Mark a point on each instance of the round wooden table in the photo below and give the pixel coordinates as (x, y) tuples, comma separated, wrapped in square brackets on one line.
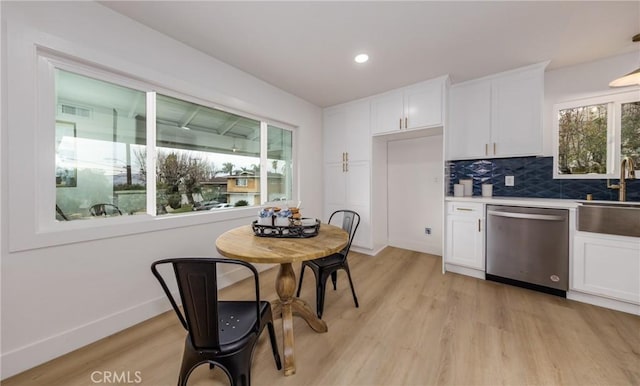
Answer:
[(242, 244)]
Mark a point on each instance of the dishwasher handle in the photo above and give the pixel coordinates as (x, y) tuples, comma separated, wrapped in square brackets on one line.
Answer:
[(529, 216)]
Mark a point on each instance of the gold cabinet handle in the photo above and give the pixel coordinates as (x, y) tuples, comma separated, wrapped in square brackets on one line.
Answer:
[(494, 148), (464, 209), (400, 124), (406, 125), (346, 166), (486, 149), (346, 157), (479, 222)]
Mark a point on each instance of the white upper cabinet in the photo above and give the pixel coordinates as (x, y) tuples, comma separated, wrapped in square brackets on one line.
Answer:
[(346, 132), (497, 116), (470, 120), (414, 107)]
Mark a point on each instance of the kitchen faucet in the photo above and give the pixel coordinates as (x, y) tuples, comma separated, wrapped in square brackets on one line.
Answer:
[(626, 165)]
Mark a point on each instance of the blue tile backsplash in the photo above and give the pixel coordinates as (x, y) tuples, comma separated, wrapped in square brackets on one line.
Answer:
[(533, 178)]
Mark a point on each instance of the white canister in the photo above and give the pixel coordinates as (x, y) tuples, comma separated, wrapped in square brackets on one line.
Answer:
[(458, 190), (468, 187), (487, 190)]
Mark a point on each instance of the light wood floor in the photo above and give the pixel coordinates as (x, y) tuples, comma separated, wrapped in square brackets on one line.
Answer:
[(414, 326)]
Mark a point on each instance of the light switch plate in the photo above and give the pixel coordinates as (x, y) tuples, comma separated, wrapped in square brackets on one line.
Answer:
[(509, 180)]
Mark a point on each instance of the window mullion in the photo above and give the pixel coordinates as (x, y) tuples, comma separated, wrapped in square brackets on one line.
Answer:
[(151, 153), (264, 183)]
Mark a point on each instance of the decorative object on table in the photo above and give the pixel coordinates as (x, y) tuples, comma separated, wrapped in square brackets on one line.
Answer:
[(468, 187), (306, 227), (458, 190), (266, 216), (328, 266), (282, 218), (487, 190), (222, 333)]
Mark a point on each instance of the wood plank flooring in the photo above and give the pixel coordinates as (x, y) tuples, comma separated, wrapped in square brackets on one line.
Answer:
[(414, 326)]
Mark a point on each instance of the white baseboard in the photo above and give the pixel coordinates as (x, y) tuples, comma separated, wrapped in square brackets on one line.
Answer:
[(366, 251), (36, 353), (416, 246), (604, 302), (465, 271), (39, 352)]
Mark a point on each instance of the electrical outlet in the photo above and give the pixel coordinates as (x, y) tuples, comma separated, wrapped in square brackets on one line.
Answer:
[(509, 181), (427, 231)]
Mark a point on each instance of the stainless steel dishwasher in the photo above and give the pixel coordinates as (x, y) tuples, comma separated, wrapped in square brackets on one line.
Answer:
[(528, 247)]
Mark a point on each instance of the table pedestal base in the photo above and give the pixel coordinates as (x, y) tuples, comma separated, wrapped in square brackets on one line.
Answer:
[(286, 306)]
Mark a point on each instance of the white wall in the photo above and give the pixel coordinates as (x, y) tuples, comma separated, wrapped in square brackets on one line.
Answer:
[(415, 193), (581, 81), (58, 298)]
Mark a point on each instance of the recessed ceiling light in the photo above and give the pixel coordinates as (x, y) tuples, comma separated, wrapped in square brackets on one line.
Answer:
[(361, 58)]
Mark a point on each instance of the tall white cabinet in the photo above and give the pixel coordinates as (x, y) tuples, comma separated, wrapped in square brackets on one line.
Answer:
[(347, 165), (497, 116)]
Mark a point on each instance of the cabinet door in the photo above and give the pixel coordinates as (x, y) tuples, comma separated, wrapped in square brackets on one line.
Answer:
[(607, 267), (516, 122), (469, 126), (358, 183), (423, 105), (334, 184), (349, 188), (356, 132), (387, 113), (335, 122), (465, 241)]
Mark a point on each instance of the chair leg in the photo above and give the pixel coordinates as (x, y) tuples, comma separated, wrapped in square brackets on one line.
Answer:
[(190, 359), (274, 345), (300, 281), (238, 367), (321, 281), (353, 291), (334, 279)]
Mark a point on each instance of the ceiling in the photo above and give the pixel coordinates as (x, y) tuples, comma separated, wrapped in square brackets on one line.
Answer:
[(307, 48)]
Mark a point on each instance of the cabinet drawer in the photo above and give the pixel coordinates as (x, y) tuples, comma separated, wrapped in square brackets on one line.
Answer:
[(466, 208)]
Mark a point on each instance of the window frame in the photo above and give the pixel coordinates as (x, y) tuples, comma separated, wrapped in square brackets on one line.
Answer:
[(614, 102), (47, 230)]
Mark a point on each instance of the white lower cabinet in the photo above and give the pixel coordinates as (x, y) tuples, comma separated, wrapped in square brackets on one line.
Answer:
[(607, 266), (464, 246)]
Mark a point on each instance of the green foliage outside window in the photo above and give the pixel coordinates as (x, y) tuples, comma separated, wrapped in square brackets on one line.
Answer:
[(583, 140)]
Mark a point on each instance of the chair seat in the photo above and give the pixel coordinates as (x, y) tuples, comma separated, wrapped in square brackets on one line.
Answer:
[(236, 319), (331, 260)]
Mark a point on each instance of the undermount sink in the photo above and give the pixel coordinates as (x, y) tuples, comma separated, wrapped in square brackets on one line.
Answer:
[(614, 218)]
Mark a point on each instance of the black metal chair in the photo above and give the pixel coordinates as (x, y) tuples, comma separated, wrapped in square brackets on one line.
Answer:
[(328, 266), (105, 210), (222, 333)]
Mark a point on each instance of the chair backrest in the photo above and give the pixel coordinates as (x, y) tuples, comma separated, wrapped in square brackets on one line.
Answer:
[(197, 280), (350, 222), (105, 210)]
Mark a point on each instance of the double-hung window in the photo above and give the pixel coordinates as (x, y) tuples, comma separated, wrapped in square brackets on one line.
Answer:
[(124, 149)]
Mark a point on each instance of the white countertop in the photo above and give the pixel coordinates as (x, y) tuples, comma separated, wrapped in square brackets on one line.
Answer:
[(521, 201)]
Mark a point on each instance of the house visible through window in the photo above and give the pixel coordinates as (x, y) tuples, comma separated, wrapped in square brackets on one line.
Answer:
[(205, 158)]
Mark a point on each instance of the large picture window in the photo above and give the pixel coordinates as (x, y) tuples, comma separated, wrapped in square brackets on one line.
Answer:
[(204, 158)]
